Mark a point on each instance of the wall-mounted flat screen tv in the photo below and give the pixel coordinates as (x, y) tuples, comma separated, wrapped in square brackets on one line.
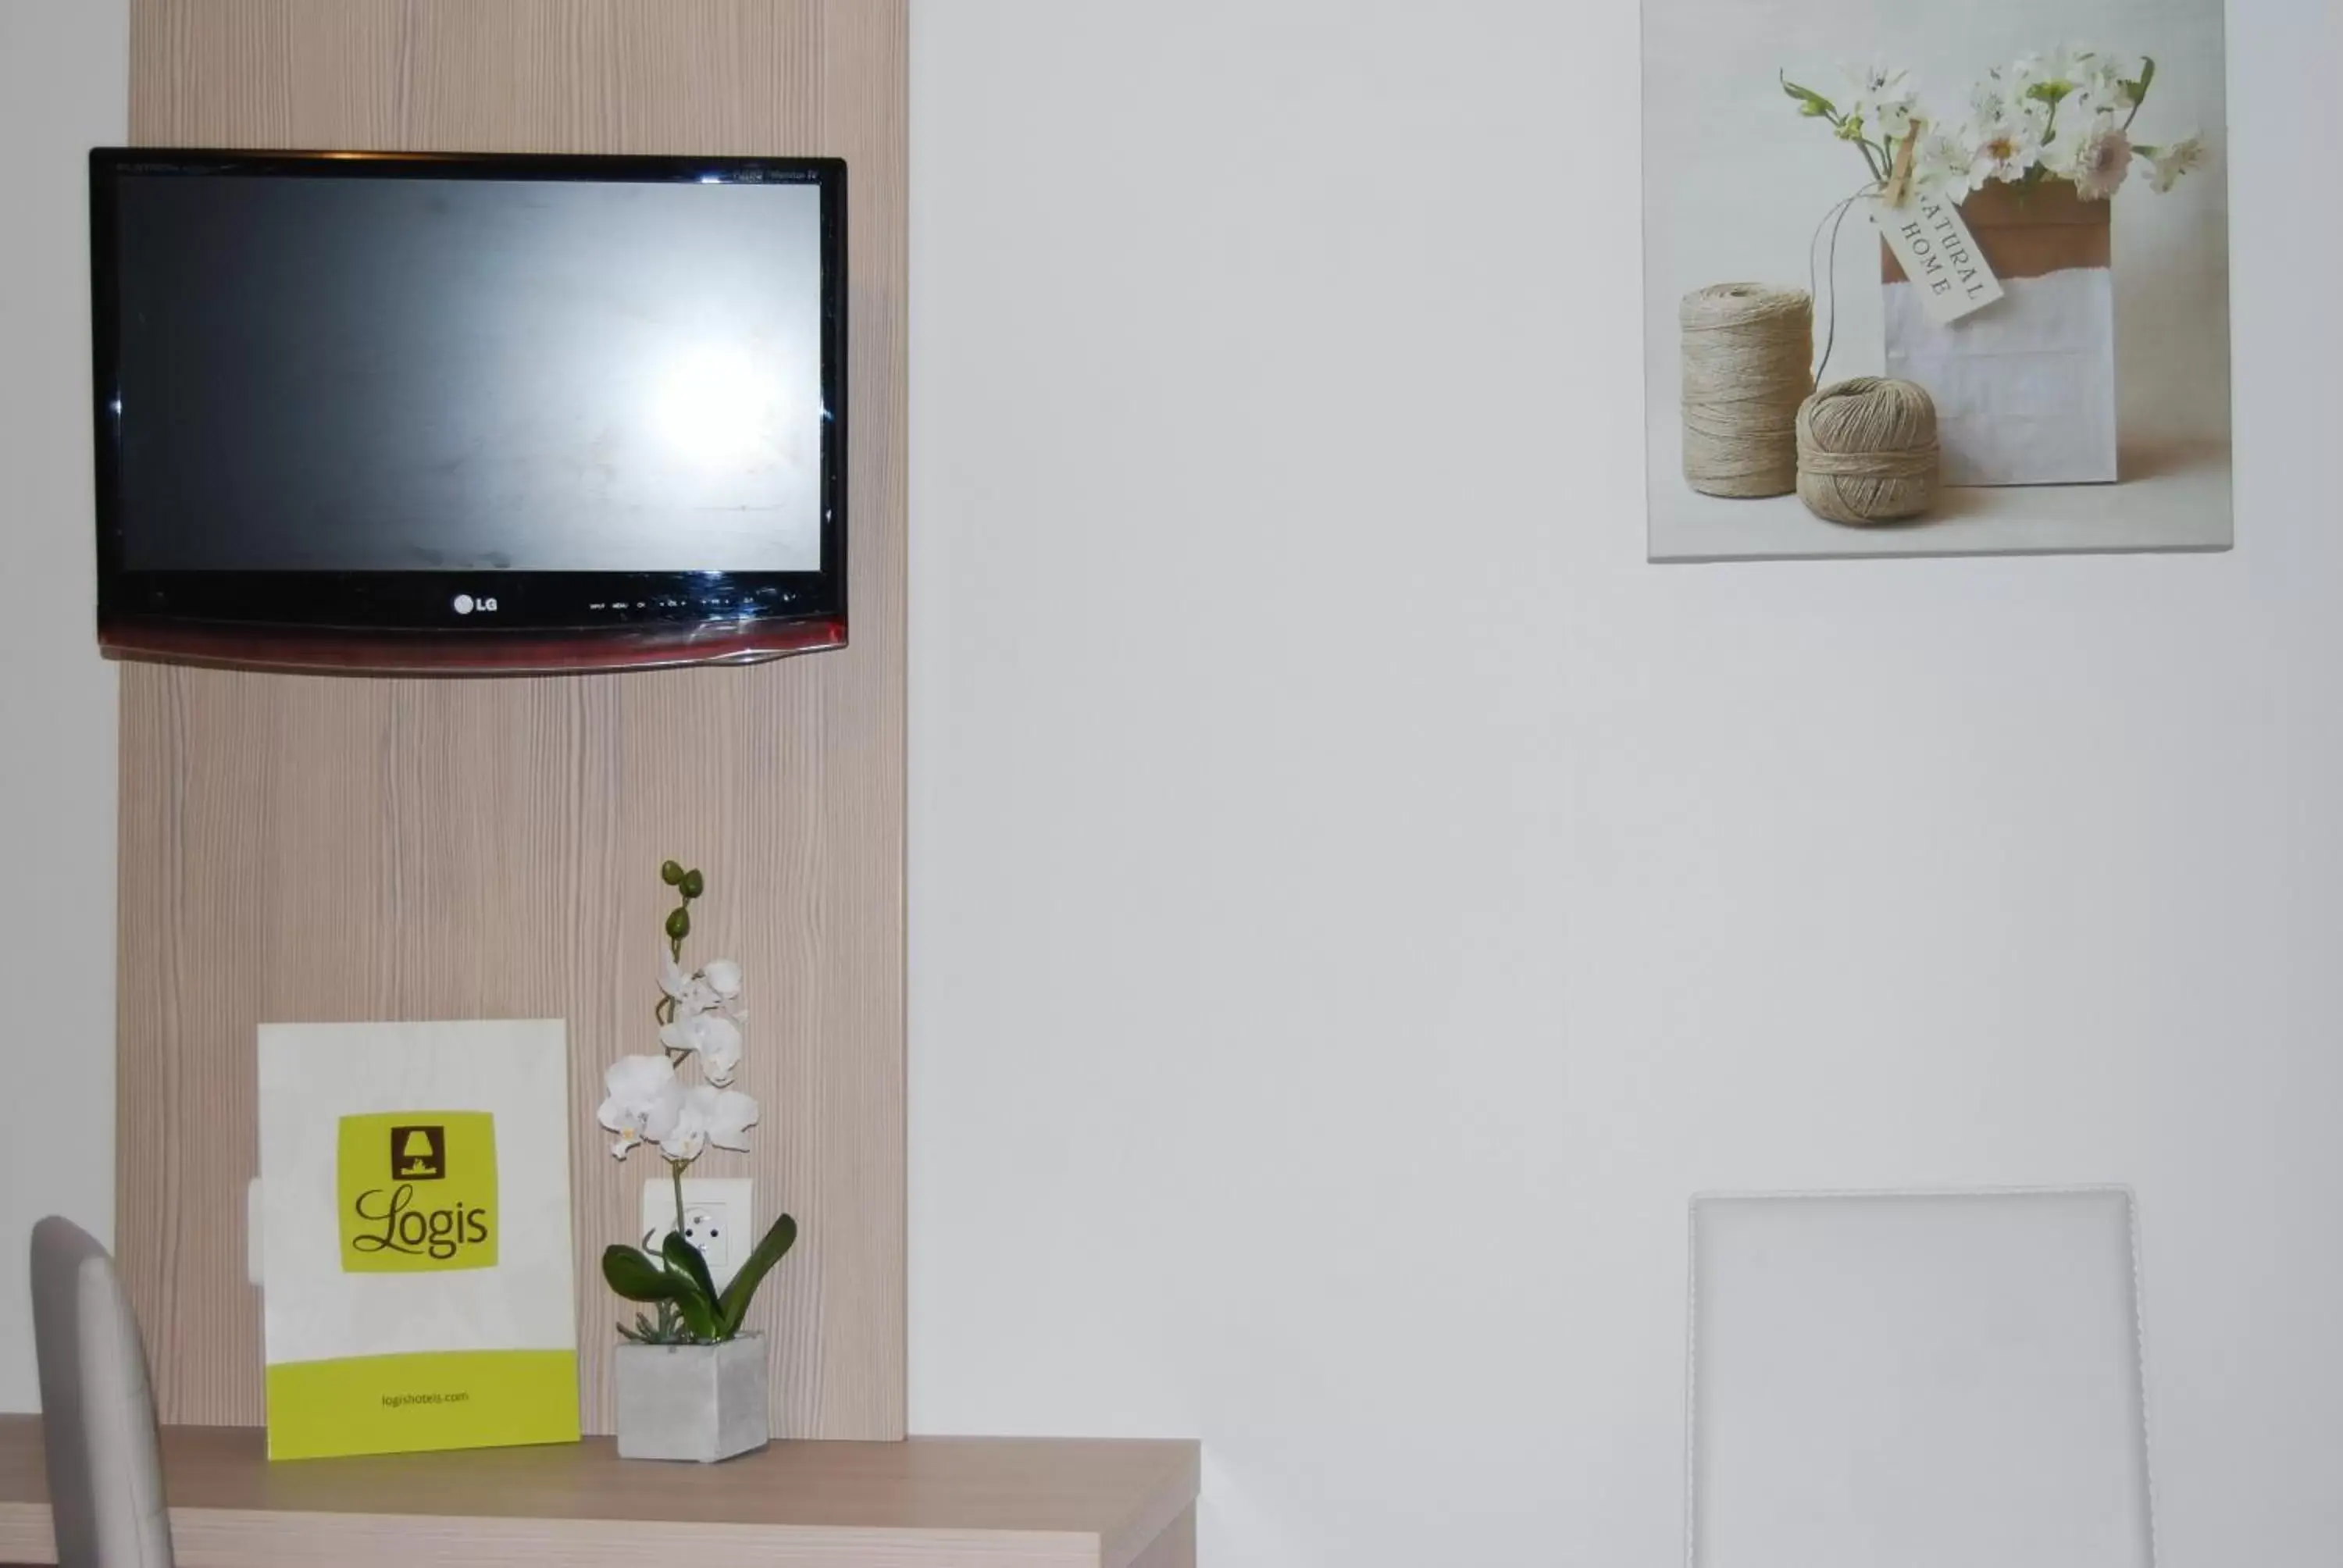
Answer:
[(469, 413)]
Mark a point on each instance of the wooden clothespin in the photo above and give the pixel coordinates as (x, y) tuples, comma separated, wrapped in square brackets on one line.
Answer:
[(1899, 179)]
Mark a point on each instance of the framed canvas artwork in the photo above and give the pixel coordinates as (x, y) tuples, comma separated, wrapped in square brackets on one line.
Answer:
[(1935, 279)]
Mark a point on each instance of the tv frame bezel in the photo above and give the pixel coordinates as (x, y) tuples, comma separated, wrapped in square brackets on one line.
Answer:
[(404, 622)]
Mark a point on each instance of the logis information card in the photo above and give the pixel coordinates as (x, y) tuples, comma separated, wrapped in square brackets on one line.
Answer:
[(415, 1236)]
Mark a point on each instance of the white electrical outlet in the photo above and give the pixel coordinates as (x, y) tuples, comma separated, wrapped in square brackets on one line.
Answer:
[(717, 1219)]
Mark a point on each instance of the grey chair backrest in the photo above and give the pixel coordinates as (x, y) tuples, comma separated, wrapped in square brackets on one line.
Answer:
[(97, 1410)]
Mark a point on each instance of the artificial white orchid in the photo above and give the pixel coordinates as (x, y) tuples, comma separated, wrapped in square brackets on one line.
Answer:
[(643, 1098), (715, 985), (682, 987), (699, 1015), (711, 1036), (699, 1010), (722, 976), (707, 1115), (702, 1012), (715, 982)]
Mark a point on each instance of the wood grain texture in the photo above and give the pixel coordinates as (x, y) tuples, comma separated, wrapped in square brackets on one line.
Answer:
[(1006, 1503), (314, 849)]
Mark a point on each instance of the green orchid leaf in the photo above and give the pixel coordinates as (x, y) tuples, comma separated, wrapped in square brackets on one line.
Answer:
[(631, 1273), (734, 1307), (698, 1315), (684, 1258)]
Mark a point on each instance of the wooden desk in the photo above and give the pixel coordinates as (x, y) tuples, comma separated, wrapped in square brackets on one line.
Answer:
[(929, 1503)]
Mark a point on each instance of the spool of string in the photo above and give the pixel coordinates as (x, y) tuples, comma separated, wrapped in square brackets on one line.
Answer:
[(1867, 451), (1746, 348)]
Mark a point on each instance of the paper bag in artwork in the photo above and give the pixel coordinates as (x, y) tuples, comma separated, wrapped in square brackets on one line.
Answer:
[(2025, 388)]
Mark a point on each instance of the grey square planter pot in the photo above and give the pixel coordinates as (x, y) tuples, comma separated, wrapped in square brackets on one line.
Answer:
[(703, 1402)]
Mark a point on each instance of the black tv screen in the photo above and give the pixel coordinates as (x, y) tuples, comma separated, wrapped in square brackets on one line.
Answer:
[(466, 405)]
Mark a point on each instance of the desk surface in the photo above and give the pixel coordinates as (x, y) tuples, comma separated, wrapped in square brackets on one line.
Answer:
[(1002, 1502)]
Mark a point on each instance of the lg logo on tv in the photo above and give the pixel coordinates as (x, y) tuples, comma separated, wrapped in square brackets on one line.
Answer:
[(465, 604)]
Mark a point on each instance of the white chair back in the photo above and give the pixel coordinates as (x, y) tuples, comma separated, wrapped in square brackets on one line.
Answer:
[(1931, 1379), (97, 1409)]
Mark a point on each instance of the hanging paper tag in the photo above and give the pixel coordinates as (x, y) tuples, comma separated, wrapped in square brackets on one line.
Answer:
[(1939, 254)]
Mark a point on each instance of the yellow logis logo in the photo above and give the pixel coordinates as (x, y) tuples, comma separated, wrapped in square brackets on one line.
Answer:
[(418, 1192)]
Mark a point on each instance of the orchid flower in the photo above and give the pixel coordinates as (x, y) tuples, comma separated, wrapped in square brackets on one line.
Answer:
[(712, 1036), (644, 1098), (707, 1115), (722, 976)]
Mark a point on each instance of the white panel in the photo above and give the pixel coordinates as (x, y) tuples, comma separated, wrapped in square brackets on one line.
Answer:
[(1928, 1380)]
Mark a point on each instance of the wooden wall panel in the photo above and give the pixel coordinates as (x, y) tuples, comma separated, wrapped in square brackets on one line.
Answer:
[(313, 848)]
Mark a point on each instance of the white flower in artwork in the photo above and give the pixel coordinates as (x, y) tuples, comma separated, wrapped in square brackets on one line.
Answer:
[(712, 1036), (2099, 95), (2102, 162), (1892, 120), (1944, 165), (2052, 77), (2005, 150), (2066, 114), (1883, 100), (643, 1099), (706, 1115), (2166, 165), (1990, 100)]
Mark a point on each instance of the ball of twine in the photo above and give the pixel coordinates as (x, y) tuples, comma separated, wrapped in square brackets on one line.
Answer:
[(1746, 348), (1867, 451)]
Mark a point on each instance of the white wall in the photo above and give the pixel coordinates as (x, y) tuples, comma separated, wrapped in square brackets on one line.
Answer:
[(1355, 900), (64, 88)]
